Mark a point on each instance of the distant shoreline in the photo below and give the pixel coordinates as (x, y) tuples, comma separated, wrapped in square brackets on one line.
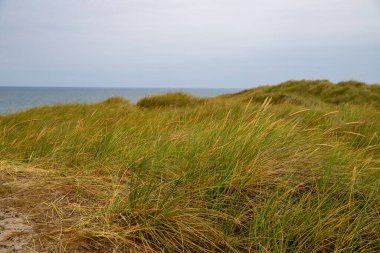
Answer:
[(13, 99)]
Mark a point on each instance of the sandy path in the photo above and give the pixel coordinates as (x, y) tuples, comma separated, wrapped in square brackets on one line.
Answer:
[(15, 233)]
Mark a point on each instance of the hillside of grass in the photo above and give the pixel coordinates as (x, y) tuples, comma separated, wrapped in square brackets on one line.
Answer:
[(287, 168), (314, 92)]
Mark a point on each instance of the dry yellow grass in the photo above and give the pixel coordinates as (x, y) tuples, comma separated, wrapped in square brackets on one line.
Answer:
[(223, 175)]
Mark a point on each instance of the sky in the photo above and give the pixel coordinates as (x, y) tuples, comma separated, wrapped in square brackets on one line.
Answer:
[(187, 43)]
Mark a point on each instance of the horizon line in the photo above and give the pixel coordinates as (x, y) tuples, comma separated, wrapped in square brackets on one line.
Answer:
[(118, 87)]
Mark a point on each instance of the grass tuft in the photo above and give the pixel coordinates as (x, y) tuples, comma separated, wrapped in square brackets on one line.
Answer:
[(175, 99), (116, 101)]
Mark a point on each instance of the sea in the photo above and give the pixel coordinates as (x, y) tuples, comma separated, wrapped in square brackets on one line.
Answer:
[(13, 99)]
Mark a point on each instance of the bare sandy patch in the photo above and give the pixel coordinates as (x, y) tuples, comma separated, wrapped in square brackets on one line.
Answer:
[(15, 232)]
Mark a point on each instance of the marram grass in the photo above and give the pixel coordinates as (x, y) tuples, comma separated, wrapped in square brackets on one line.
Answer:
[(228, 174), (172, 99)]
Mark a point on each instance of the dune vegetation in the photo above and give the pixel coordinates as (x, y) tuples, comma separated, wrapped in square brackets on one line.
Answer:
[(288, 168), (172, 99)]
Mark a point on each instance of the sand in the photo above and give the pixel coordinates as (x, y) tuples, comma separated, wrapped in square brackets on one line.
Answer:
[(15, 232)]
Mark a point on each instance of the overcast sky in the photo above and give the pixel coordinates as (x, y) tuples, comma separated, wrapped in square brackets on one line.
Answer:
[(187, 43)]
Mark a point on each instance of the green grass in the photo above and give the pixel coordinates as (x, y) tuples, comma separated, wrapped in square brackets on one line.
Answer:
[(236, 173), (313, 93), (174, 99)]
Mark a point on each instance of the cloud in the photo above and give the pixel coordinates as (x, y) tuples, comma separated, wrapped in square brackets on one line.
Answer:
[(186, 43)]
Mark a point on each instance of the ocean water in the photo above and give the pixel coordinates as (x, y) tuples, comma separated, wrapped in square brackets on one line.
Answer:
[(13, 99)]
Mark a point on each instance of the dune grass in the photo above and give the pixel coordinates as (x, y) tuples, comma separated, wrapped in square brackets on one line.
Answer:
[(171, 99), (230, 174), (313, 93)]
